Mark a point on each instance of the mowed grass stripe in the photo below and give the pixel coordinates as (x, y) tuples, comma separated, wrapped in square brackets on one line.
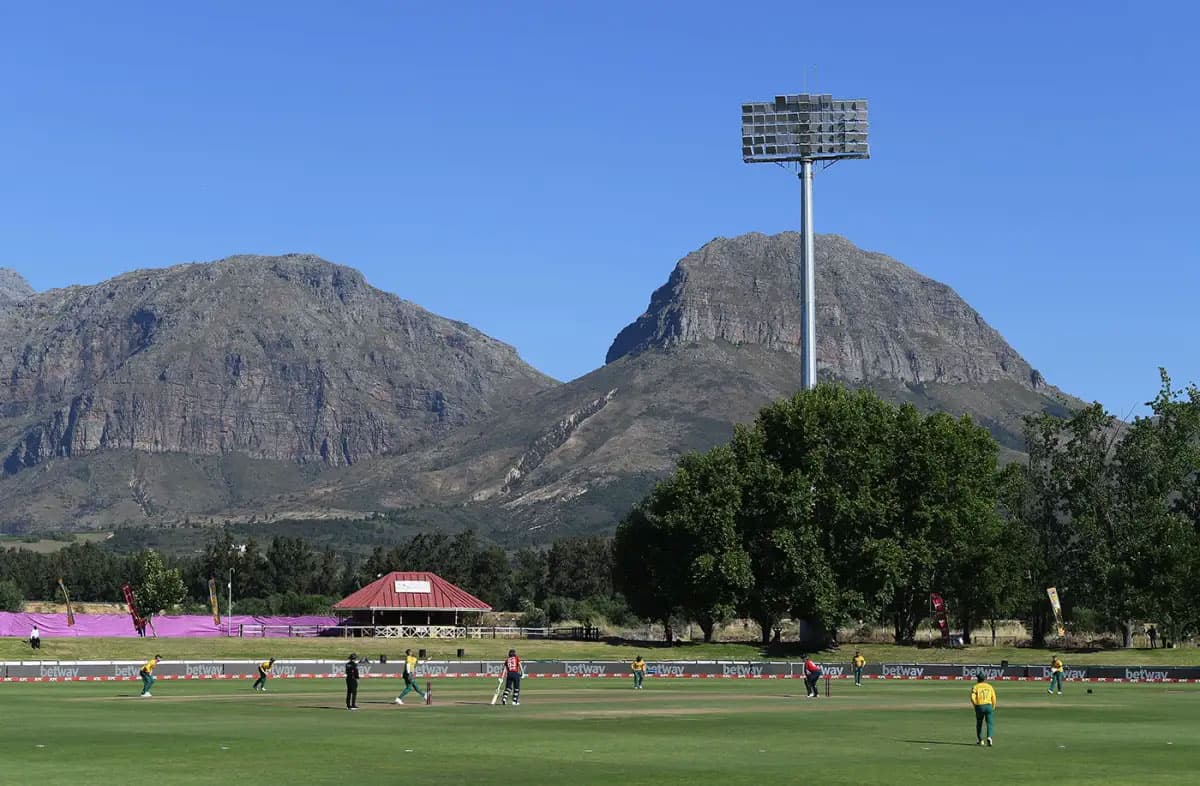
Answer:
[(595, 732)]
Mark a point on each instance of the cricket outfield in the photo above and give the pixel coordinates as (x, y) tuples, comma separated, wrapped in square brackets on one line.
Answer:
[(596, 731)]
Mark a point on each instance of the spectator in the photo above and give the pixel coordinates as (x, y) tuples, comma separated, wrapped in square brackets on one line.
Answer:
[(35, 638), (1153, 634)]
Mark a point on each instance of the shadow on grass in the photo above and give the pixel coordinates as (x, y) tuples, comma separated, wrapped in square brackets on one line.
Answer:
[(938, 742)]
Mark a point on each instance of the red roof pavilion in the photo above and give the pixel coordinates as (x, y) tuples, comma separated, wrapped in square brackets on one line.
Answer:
[(401, 591)]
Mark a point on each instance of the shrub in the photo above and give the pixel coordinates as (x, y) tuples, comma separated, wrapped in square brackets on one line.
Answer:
[(11, 598)]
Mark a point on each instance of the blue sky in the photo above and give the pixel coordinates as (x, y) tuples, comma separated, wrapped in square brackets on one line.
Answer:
[(536, 169)]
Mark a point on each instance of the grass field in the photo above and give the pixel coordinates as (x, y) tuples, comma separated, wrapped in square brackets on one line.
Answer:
[(584, 732), (51, 545), (492, 649)]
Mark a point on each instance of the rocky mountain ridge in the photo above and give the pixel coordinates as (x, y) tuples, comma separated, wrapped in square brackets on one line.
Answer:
[(256, 389), (289, 358)]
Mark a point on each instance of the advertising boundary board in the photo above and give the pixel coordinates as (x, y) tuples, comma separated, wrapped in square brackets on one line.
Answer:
[(106, 671)]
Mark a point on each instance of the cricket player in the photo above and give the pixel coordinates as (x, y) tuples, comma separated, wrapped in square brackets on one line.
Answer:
[(1056, 675), (983, 699), (410, 677), (812, 676), (512, 679), (352, 682), (639, 672), (264, 671), (859, 661), (147, 675)]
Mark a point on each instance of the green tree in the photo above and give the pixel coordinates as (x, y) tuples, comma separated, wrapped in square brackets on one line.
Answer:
[(1154, 546), (579, 568), (160, 587), (11, 597), (898, 498), (790, 569), (687, 552)]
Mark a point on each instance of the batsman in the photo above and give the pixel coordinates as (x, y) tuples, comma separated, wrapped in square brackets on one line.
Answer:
[(512, 678)]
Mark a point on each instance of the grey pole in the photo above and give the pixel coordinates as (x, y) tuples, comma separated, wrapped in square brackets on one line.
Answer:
[(808, 315)]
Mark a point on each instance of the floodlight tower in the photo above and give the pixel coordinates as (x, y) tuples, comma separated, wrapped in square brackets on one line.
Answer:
[(802, 129)]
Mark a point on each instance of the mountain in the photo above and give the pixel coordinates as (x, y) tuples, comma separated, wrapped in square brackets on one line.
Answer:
[(718, 341), (260, 389), (13, 288), (291, 360)]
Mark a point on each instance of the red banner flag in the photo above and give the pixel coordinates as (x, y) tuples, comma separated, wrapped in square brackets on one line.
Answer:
[(939, 615), (138, 622)]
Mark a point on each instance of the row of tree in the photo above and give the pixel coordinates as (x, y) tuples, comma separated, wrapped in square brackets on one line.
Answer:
[(833, 506), (836, 506), (290, 577)]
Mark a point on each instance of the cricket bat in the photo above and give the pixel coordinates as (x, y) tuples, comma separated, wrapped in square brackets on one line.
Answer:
[(499, 687)]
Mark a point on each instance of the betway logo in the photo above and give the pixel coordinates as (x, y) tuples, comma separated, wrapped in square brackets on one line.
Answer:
[(204, 670), (991, 674), (493, 669), (670, 670), (280, 670), (126, 671), (833, 671), (1145, 674), (904, 671), (339, 670), (741, 671), (1068, 674), (585, 668), (432, 671), (58, 671)]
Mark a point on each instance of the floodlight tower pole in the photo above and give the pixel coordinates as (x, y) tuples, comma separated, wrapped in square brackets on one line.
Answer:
[(808, 279)]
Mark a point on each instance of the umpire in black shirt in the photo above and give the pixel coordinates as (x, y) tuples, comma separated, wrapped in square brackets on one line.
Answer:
[(352, 682)]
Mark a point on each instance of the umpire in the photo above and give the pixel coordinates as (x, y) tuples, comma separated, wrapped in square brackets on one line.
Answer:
[(352, 682)]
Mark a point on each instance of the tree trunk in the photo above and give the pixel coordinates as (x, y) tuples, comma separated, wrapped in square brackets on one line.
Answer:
[(707, 627), (1037, 624), (967, 624), (1127, 634), (992, 624), (668, 633), (766, 623)]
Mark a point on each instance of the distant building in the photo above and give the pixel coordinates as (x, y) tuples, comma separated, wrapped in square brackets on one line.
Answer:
[(421, 601)]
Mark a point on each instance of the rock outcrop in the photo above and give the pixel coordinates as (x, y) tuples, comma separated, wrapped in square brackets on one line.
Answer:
[(876, 318), (13, 288)]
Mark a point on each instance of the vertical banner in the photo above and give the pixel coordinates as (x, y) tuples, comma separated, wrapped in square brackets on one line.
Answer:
[(212, 599), (67, 600), (1052, 593), (133, 612), (939, 615)]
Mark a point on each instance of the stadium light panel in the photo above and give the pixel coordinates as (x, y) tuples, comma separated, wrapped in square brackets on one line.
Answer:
[(804, 127)]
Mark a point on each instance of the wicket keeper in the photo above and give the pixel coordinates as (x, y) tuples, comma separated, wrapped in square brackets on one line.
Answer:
[(410, 677), (859, 661), (639, 672), (147, 675), (1056, 675), (264, 671), (512, 679), (983, 699)]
